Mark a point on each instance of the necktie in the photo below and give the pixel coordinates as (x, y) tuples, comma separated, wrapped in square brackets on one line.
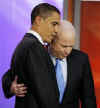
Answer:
[(60, 79), (46, 47)]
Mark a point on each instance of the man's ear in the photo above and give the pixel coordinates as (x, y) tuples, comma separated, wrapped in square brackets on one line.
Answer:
[(38, 20)]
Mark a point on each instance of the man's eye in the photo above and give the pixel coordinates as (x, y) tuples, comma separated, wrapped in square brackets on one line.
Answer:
[(67, 46), (54, 24), (70, 46)]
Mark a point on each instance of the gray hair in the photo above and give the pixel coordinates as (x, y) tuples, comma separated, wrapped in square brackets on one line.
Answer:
[(66, 26)]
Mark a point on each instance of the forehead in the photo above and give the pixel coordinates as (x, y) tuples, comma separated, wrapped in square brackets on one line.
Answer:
[(55, 17), (66, 38)]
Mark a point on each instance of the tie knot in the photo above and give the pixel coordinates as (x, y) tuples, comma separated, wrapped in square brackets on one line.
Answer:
[(57, 61), (46, 47)]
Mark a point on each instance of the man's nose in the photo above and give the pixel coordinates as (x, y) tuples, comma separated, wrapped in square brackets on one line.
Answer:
[(67, 50), (56, 29)]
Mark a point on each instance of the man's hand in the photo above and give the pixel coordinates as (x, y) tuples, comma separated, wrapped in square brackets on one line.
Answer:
[(18, 89)]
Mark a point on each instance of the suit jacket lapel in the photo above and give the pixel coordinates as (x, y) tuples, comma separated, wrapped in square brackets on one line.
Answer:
[(69, 78), (52, 74)]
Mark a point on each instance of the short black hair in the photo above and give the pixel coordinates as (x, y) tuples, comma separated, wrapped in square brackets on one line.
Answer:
[(43, 10)]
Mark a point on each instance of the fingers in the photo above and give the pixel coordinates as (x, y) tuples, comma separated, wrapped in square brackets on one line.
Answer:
[(20, 86), (20, 90), (20, 95)]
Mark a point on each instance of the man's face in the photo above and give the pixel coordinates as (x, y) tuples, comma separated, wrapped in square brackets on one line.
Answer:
[(62, 47), (49, 27)]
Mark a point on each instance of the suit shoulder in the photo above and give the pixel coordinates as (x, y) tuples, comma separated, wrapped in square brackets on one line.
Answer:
[(79, 52), (79, 56), (25, 44), (28, 40)]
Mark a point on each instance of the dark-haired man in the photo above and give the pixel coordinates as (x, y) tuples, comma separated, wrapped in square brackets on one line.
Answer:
[(31, 62)]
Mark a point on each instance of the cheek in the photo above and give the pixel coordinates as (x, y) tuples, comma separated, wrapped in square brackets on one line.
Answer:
[(48, 30), (51, 28), (69, 50), (58, 51), (61, 52)]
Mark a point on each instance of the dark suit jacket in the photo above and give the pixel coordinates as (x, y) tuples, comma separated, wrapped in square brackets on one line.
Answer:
[(34, 67)]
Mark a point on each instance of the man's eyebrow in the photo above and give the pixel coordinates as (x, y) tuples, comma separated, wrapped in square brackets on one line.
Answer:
[(55, 23), (67, 45)]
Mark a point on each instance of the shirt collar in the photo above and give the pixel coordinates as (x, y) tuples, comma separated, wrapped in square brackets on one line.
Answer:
[(36, 35), (54, 59)]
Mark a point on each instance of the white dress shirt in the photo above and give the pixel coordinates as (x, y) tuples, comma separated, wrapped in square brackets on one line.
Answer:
[(36, 35)]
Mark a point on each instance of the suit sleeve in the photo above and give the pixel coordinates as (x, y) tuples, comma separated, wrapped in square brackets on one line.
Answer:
[(88, 97), (6, 84), (15, 69)]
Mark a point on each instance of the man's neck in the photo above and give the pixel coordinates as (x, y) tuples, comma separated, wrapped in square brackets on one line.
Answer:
[(35, 28), (37, 35)]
